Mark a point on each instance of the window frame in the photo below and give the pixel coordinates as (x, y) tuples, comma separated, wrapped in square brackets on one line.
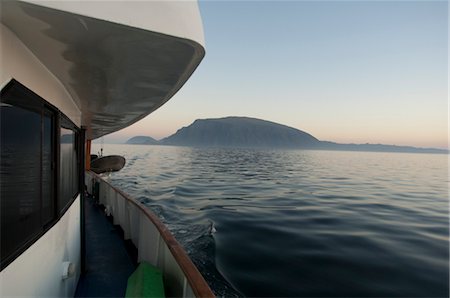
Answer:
[(33, 102), (66, 123)]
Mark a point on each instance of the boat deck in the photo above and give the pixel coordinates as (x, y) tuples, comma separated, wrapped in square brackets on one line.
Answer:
[(109, 259)]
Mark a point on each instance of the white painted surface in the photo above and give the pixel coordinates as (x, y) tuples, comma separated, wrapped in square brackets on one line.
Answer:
[(38, 271), (115, 59), (175, 18), (98, 83), (18, 62)]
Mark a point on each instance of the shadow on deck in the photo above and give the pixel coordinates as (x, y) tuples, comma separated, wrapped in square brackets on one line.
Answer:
[(109, 259)]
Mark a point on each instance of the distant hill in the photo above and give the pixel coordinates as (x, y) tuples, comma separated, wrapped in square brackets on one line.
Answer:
[(240, 132), (142, 140), (378, 148), (251, 132)]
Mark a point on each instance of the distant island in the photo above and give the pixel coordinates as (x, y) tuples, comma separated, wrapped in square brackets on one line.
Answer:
[(256, 133), (142, 140)]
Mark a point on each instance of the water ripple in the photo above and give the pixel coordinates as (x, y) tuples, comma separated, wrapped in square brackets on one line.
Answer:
[(301, 223)]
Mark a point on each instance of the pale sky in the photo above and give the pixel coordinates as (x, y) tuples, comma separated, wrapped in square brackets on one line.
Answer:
[(349, 72)]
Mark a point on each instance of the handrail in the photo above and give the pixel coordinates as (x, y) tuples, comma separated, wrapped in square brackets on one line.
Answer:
[(193, 276)]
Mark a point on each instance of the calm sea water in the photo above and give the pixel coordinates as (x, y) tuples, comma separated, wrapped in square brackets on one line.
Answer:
[(300, 223)]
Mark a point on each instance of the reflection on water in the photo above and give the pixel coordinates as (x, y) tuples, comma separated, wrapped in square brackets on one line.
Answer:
[(301, 223)]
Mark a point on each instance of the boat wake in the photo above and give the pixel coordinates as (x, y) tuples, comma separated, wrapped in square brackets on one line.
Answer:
[(199, 243)]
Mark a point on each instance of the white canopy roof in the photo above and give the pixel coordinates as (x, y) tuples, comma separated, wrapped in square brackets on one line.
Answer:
[(119, 61)]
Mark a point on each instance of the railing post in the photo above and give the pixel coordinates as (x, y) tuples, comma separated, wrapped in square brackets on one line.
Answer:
[(81, 188)]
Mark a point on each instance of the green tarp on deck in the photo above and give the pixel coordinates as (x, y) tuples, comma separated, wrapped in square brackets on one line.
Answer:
[(146, 281)]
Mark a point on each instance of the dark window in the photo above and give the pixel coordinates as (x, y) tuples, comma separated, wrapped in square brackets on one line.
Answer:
[(68, 163), (27, 174), (48, 168), (30, 202)]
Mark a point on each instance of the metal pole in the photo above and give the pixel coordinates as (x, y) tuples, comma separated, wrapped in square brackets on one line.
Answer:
[(83, 159)]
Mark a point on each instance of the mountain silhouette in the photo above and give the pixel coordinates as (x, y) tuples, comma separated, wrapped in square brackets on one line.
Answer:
[(257, 133), (240, 132), (142, 140)]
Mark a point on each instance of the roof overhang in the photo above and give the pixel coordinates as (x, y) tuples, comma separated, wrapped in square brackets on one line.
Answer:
[(112, 62)]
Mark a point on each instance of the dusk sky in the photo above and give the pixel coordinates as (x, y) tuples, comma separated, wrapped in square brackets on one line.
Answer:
[(348, 72)]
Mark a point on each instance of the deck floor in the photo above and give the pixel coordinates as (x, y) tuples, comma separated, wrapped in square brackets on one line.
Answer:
[(109, 262)]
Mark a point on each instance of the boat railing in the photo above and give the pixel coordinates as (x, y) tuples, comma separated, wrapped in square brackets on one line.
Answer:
[(153, 240)]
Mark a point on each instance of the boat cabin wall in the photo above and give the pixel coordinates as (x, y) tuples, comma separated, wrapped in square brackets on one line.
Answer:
[(19, 63), (37, 271)]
